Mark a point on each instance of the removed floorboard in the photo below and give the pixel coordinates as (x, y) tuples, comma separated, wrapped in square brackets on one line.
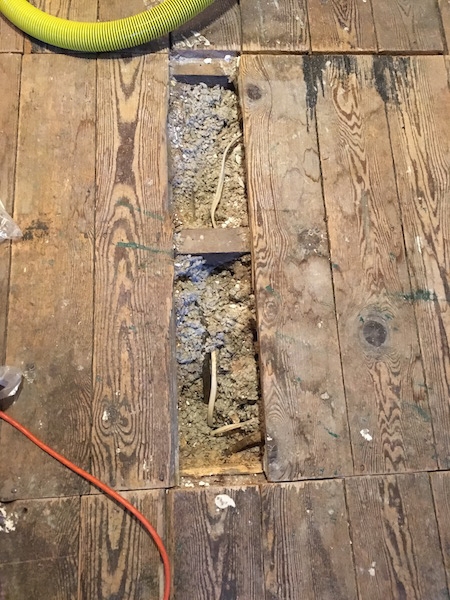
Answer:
[(274, 26), (39, 549), (388, 409), (215, 536), (304, 405), (51, 287), (134, 372), (417, 96), (408, 26)]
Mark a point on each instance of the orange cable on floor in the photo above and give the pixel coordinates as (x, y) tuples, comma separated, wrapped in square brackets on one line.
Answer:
[(104, 488)]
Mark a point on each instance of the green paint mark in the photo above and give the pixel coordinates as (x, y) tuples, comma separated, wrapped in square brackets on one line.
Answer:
[(392, 256), (335, 266), (388, 317), (147, 213), (361, 319), (99, 379), (417, 295), (335, 435), (298, 379), (419, 410), (135, 246), (424, 386), (270, 289), (132, 328)]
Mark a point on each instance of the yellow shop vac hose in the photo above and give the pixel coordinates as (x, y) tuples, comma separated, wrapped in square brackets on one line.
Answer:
[(101, 37)]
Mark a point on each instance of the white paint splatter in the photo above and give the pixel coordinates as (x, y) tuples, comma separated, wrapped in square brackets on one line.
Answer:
[(223, 501), (372, 569), (105, 416), (419, 244), (7, 523), (366, 435)]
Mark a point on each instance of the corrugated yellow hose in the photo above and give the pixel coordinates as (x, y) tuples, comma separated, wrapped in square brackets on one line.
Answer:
[(101, 37)]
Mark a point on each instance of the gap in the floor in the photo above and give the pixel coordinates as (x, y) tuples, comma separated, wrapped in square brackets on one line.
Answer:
[(214, 301)]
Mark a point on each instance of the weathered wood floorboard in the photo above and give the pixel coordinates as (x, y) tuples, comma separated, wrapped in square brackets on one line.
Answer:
[(218, 28), (395, 538), (39, 542), (215, 538), (417, 95), (388, 409), (117, 557), (307, 548), (304, 404), (10, 65), (341, 26), (51, 288), (408, 26), (274, 26), (134, 399)]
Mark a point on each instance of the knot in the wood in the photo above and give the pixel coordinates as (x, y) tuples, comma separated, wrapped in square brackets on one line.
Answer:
[(253, 92), (374, 333)]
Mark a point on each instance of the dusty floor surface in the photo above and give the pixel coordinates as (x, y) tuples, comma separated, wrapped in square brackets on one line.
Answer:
[(202, 122), (215, 310)]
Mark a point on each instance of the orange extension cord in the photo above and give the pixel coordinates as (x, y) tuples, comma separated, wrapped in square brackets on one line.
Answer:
[(107, 490)]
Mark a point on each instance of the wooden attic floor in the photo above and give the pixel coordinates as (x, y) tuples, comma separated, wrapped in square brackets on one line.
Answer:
[(348, 160)]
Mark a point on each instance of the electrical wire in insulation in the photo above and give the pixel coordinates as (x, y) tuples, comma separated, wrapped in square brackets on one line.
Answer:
[(104, 488)]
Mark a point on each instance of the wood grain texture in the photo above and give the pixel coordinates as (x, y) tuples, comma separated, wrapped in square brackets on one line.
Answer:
[(117, 557), (134, 388), (307, 551), (219, 27), (417, 94), (304, 404), (10, 65), (109, 10), (274, 25), (51, 294), (39, 549), (444, 7), (408, 26), (440, 483), (214, 241), (11, 39), (383, 371), (216, 552), (395, 538), (341, 26), (74, 10)]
